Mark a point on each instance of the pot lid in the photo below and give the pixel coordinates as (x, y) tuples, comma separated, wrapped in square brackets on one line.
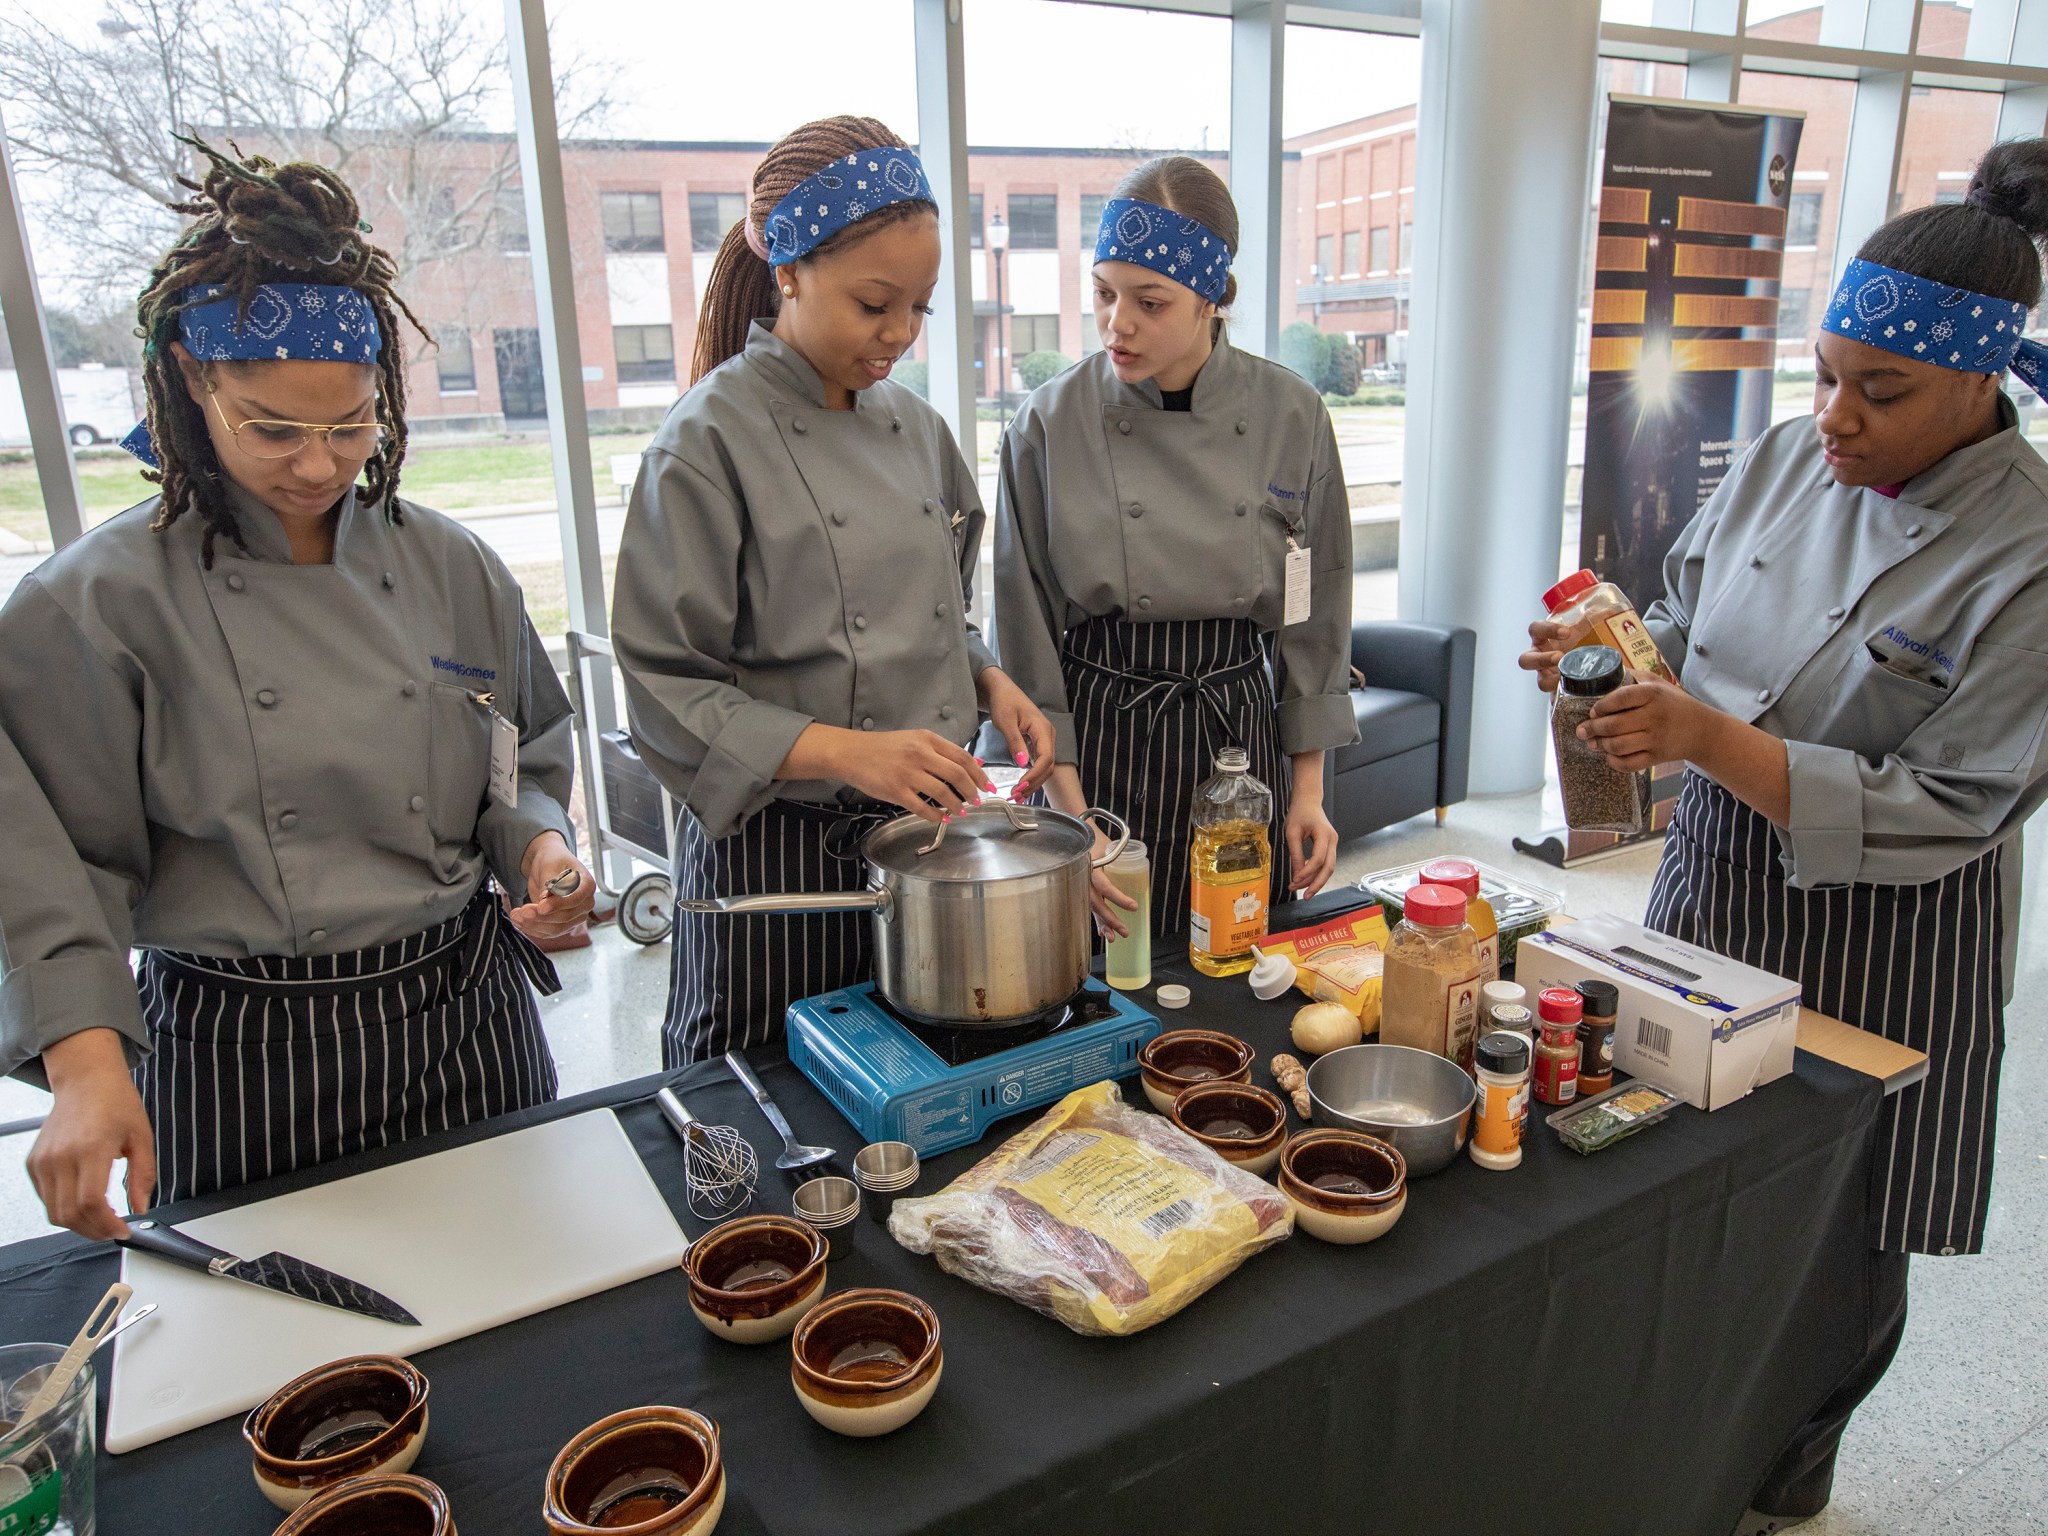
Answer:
[(983, 843)]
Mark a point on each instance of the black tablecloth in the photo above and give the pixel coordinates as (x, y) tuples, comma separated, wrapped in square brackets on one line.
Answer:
[(1584, 1346)]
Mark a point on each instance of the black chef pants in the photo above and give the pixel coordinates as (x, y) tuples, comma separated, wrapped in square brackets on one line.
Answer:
[(1803, 1478)]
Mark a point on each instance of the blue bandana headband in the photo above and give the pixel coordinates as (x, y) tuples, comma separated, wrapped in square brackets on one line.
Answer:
[(310, 322), (1169, 243), (1930, 322), (842, 194)]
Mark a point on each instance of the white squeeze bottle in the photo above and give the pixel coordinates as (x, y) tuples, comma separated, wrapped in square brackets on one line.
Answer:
[(1127, 962)]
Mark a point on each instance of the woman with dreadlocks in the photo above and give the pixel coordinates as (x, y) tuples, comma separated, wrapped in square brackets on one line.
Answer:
[(278, 731)]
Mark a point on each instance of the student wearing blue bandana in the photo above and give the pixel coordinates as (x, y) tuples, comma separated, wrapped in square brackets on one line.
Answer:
[(790, 610), (1859, 620), (1173, 552), (284, 736)]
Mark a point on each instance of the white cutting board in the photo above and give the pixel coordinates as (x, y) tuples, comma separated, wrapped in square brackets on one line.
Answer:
[(464, 1239)]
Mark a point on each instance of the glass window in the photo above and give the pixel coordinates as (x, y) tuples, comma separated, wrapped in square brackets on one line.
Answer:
[(632, 220), (455, 362), (1349, 116), (1946, 134), (1793, 319), (974, 220), (711, 215), (1044, 155), (646, 353), (1802, 219), (508, 219), (1034, 333), (1091, 219), (1406, 256), (1034, 221)]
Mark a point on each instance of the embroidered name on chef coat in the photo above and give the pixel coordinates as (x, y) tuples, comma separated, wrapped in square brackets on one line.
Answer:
[(463, 669), (1901, 653)]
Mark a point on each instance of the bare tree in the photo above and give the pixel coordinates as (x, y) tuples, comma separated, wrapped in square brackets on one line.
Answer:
[(393, 94)]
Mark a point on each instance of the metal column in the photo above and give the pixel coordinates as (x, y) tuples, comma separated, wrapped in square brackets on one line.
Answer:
[(942, 145), (1258, 50), (35, 364)]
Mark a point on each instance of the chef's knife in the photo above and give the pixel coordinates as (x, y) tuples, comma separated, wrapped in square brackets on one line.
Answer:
[(273, 1271)]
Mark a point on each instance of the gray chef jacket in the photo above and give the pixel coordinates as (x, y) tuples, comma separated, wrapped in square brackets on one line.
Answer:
[(1898, 646), (784, 564), (1109, 504), (260, 759)]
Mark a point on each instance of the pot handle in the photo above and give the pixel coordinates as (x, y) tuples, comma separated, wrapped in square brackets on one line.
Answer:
[(870, 900), (1123, 834)]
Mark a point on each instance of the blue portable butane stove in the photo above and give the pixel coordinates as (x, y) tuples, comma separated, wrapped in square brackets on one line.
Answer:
[(937, 1086)]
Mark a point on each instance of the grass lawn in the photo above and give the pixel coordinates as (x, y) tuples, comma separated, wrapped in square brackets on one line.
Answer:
[(547, 593)]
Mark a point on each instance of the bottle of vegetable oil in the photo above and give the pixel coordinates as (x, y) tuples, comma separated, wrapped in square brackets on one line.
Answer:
[(1230, 867)]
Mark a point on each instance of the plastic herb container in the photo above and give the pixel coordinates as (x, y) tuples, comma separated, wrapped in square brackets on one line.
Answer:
[(1520, 908)]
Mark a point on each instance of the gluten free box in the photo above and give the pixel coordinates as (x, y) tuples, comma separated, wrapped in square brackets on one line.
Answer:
[(1692, 1022)]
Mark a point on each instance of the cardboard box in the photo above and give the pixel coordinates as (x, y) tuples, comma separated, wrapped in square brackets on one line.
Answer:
[(1691, 1022)]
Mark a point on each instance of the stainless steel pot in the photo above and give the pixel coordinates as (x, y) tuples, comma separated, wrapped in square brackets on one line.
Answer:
[(980, 922)]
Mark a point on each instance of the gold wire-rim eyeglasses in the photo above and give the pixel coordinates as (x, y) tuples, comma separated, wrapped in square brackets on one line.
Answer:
[(356, 440)]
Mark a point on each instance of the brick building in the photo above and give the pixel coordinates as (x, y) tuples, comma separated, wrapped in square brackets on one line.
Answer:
[(638, 209)]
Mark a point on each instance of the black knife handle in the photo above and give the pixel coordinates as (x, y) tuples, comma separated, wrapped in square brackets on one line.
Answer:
[(148, 1235)]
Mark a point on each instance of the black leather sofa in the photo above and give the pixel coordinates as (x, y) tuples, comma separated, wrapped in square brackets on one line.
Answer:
[(1414, 713)]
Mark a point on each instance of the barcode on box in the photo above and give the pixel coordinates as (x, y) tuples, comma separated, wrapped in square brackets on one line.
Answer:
[(1168, 1218), (1653, 1037)]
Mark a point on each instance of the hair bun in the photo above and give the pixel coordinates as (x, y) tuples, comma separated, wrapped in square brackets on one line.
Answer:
[(2011, 181)]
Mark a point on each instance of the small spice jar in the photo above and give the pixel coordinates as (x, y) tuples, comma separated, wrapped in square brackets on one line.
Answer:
[(1597, 798), (1502, 1063), (1494, 993), (1513, 1017), (1601, 1000), (1429, 993), (1558, 1011)]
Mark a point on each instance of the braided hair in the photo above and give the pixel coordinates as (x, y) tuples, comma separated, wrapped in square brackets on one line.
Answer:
[(741, 287), (257, 222)]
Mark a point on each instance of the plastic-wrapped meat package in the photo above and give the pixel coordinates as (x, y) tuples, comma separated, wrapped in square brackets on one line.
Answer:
[(1103, 1216)]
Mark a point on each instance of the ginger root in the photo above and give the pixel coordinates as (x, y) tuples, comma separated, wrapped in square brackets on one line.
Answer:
[(1300, 1099), (1292, 1077)]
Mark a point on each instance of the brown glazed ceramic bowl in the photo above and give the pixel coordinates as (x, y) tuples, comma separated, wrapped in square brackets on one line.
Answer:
[(1345, 1186), (865, 1362), (1239, 1122), (385, 1505), (348, 1418), (751, 1279), (1180, 1058), (648, 1471)]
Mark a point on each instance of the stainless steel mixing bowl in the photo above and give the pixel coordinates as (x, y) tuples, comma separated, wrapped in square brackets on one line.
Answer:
[(1416, 1100)]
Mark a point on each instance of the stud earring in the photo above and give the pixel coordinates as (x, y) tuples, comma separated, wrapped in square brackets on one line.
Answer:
[(789, 293)]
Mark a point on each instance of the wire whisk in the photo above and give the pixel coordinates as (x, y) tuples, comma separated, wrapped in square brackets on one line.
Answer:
[(720, 1171)]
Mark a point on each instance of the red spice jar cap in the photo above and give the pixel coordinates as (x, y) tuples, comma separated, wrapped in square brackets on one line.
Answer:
[(1455, 873), (1436, 906), (1560, 1005), (1572, 586)]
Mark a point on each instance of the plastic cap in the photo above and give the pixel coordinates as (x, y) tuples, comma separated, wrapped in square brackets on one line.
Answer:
[(1504, 1052), (1133, 854), (1574, 585), (1271, 975), (1591, 670), (1601, 998), (1174, 995), (1560, 1005), (1435, 906), (1496, 993), (1455, 873)]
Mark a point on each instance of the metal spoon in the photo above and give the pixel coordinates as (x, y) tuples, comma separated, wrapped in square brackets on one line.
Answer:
[(794, 1153), (99, 1326), (125, 1324)]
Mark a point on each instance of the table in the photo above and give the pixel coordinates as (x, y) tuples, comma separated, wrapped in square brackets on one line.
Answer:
[(1609, 1344)]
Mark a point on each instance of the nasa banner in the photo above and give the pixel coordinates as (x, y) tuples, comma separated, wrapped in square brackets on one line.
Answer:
[(1684, 334)]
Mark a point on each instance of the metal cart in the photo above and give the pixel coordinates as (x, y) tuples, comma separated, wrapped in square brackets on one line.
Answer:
[(641, 826)]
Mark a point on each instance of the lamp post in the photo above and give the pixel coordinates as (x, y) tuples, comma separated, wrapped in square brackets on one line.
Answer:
[(998, 238)]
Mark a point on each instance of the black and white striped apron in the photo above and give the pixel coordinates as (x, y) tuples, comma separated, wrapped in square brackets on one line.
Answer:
[(732, 979), (1152, 706), (1919, 964), (263, 1065)]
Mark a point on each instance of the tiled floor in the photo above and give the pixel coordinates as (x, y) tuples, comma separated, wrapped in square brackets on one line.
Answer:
[(1955, 1440)]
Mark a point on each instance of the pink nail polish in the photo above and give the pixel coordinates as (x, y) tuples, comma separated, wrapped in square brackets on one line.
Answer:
[(1023, 759)]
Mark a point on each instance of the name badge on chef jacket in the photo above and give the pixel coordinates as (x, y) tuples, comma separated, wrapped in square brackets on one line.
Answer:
[(1297, 583), (504, 754)]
